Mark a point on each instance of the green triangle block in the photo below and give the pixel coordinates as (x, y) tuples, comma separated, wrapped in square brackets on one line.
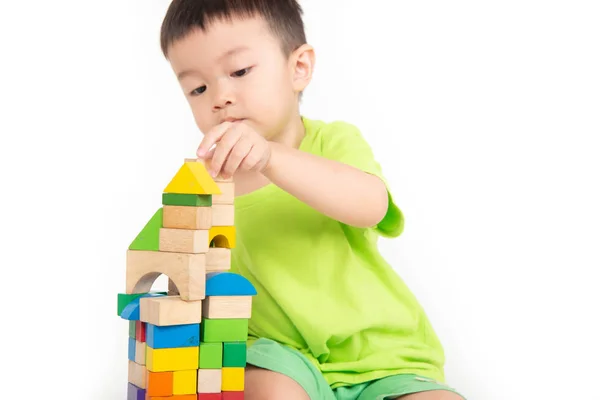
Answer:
[(147, 239)]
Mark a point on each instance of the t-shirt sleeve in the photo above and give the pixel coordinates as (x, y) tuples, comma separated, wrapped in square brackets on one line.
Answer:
[(344, 142)]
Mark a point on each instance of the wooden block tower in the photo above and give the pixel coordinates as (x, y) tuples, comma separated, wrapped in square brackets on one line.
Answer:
[(188, 343)]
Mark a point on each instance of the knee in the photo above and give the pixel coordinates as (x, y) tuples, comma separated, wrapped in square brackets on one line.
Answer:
[(262, 384)]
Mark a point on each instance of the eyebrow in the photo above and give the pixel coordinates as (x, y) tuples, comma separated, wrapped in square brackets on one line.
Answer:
[(228, 53)]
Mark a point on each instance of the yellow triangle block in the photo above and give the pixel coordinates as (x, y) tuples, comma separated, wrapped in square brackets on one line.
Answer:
[(192, 178)]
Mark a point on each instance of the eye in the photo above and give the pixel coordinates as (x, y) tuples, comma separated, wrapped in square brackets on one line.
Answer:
[(241, 72), (198, 91)]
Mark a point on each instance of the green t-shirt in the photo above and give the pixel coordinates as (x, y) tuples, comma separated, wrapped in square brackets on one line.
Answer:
[(323, 287)]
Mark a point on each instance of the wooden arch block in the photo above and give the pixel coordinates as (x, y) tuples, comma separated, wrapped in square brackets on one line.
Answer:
[(223, 236), (187, 271)]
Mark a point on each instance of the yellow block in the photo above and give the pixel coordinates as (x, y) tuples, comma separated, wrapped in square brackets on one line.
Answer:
[(192, 178), (232, 379), (175, 359), (184, 382), (229, 236)]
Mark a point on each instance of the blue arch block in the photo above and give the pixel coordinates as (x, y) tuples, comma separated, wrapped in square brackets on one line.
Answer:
[(131, 311), (228, 284)]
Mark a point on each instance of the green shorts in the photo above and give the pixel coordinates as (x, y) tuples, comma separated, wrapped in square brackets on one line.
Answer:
[(268, 354)]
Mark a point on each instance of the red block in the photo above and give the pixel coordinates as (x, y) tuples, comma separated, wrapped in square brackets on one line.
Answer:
[(232, 396), (209, 396), (140, 331)]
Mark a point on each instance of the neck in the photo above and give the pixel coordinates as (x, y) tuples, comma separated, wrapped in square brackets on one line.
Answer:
[(292, 134)]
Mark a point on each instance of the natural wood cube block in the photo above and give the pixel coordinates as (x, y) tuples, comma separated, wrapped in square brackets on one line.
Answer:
[(136, 374), (170, 310), (187, 217), (209, 380), (223, 215), (227, 307), (218, 259), (183, 240), (227, 195)]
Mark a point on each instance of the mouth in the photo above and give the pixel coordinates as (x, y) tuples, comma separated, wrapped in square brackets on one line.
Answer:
[(230, 119)]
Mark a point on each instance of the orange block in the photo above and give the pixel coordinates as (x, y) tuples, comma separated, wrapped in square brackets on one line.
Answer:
[(179, 397), (159, 384)]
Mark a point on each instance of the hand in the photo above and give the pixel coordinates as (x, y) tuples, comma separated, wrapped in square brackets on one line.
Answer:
[(237, 147)]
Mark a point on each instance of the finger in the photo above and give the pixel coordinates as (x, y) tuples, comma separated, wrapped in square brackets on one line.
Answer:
[(236, 156), (222, 150), (211, 138)]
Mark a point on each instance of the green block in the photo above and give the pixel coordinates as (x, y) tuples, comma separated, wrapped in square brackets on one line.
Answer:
[(211, 356), (132, 329), (224, 330), (123, 299), (147, 239), (192, 200), (234, 354)]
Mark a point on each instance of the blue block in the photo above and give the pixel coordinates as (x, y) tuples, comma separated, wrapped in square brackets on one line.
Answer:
[(135, 393), (132, 310), (167, 337), (131, 350), (228, 284)]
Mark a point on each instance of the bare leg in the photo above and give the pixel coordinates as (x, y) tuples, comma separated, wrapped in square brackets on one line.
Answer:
[(431, 395), (262, 384)]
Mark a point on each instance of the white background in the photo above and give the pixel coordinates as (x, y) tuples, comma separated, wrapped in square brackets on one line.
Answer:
[(484, 115)]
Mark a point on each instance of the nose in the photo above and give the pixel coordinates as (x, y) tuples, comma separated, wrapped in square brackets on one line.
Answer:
[(223, 95)]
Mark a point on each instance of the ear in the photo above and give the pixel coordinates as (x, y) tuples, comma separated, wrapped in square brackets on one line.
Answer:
[(302, 63)]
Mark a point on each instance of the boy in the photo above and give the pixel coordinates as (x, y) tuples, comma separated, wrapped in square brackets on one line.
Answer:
[(331, 320)]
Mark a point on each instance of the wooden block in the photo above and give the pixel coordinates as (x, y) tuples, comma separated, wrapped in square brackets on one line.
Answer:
[(209, 396), (227, 284), (140, 331), (209, 380), (227, 195), (192, 200), (175, 359), (132, 328), (135, 393), (140, 353), (218, 259), (186, 217), (227, 307), (192, 178), (223, 330), (223, 214), (131, 349), (177, 397), (222, 236), (164, 337), (232, 379), (147, 239), (211, 355), (123, 299), (185, 382), (187, 271), (183, 240), (136, 374), (234, 354), (170, 310), (159, 383), (206, 163), (232, 396)]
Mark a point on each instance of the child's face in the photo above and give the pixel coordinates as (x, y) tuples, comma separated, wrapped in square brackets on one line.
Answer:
[(236, 70)]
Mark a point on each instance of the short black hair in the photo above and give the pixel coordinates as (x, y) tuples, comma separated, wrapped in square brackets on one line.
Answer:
[(284, 18)]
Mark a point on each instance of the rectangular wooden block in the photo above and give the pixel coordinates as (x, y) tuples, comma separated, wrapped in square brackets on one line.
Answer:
[(131, 349), (183, 240), (223, 330), (164, 337), (175, 359), (140, 353), (175, 397), (209, 381), (188, 271), (159, 383), (232, 396), (132, 330), (184, 199), (218, 259), (227, 307), (223, 215), (136, 374), (135, 393), (234, 354), (211, 355), (187, 217), (140, 331), (185, 382), (209, 396), (227, 195), (232, 379), (170, 310)]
